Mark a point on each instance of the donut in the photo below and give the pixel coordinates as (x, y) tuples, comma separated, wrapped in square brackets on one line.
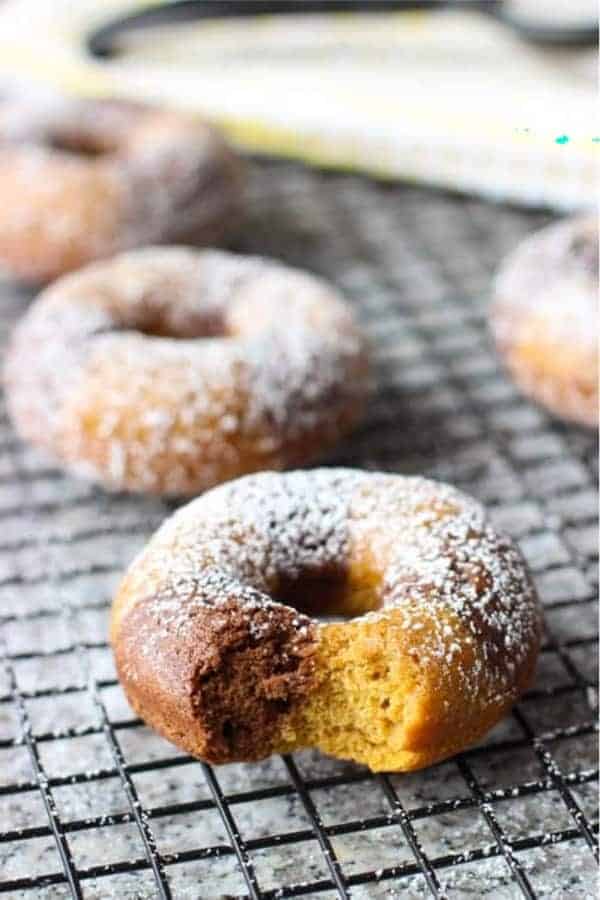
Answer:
[(544, 318), (218, 647), (168, 370), (84, 179)]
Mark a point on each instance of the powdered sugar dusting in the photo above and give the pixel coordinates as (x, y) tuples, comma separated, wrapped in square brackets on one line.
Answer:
[(444, 570), (284, 378), (555, 271), (545, 317), (96, 177)]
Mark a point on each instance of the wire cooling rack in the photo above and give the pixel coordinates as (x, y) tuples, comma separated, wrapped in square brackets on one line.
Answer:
[(94, 805)]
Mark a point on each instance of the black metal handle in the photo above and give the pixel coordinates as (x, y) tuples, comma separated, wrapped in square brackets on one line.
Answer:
[(103, 42)]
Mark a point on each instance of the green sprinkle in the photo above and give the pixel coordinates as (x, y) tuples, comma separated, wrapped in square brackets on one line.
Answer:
[(562, 139)]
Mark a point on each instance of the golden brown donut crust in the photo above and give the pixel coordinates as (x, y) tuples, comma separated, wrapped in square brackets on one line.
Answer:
[(217, 648), (83, 179), (169, 370), (545, 318)]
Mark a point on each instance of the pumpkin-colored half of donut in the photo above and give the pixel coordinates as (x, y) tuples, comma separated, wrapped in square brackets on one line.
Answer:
[(219, 644)]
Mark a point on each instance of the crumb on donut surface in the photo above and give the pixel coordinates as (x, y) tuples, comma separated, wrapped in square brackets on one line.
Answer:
[(218, 646)]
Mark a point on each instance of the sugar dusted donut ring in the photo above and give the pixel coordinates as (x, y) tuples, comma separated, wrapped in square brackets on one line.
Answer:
[(545, 318), (84, 179), (217, 648), (168, 370)]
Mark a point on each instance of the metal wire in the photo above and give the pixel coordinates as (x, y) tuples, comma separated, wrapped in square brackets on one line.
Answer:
[(417, 266)]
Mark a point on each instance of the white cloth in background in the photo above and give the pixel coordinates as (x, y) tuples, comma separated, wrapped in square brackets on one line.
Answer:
[(446, 98)]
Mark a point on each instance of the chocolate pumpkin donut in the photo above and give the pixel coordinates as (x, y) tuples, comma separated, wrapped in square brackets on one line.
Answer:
[(218, 648), (84, 179), (169, 370), (545, 318)]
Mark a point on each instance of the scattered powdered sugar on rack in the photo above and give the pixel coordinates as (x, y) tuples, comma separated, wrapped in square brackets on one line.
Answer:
[(431, 543), (171, 369)]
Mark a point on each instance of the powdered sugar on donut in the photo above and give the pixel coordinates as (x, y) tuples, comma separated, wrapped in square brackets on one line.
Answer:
[(545, 318), (122, 402), (84, 179), (444, 570), (554, 274)]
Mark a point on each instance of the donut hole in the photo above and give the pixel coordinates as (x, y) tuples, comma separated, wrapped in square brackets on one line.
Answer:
[(80, 144), (163, 324), (161, 309), (328, 596)]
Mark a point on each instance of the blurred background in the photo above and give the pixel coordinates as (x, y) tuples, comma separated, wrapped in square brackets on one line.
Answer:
[(495, 98), (480, 123)]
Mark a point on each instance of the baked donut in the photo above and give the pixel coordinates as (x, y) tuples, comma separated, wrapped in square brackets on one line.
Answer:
[(544, 318), (169, 370), (84, 179), (217, 647)]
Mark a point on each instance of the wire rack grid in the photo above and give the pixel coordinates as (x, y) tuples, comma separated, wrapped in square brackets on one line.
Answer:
[(94, 805)]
